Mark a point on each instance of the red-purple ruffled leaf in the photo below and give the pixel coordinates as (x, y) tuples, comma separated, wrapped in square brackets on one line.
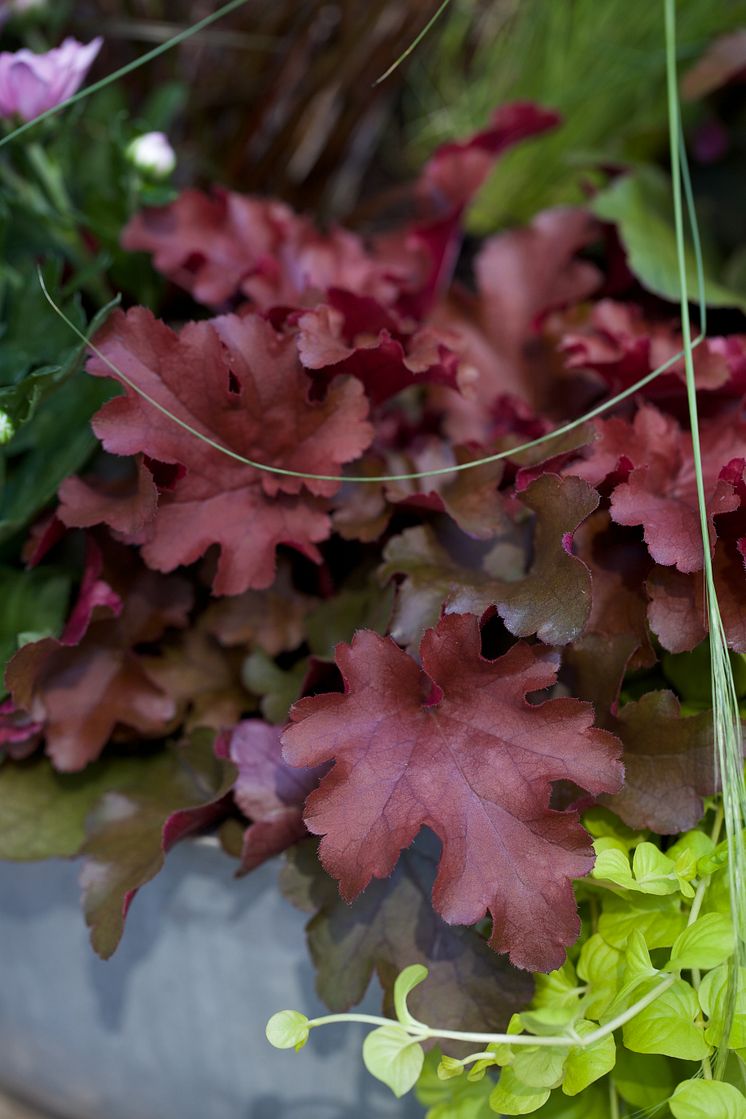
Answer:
[(621, 346), (669, 764), (548, 594), (521, 275), (455, 746), (127, 505), (650, 466), (92, 682), (357, 336), (677, 602), (267, 790), (240, 385)]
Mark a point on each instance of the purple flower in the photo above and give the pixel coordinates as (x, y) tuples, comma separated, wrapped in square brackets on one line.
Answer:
[(32, 83)]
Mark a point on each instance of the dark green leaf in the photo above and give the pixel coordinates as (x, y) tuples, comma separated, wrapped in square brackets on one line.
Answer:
[(177, 790), (30, 602), (43, 813), (55, 443)]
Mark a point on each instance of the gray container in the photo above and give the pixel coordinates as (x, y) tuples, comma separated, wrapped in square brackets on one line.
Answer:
[(173, 1026)]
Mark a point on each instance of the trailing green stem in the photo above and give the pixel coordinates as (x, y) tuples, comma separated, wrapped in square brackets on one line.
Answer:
[(568, 1040)]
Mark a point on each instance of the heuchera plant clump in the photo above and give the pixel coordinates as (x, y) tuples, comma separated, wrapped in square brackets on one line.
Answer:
[(443, 696)]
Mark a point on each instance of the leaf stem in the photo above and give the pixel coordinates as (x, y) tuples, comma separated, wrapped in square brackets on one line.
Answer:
[(698, 899), (369, 1019), (414, 44), (568, 1041), (613, 1101)]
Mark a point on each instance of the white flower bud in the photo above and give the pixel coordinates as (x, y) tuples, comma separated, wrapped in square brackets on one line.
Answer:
[(7, 428), (152, 154)]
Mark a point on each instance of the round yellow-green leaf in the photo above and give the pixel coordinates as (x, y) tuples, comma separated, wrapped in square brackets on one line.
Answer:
[(707, 943), (288, 1029), (511, 1096), (391, 1055), (585, 1065), (667, 1026), (707, 1099)]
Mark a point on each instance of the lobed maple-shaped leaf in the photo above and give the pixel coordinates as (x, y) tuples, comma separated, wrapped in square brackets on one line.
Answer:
[(521, 275), (239, 384), (272, 620), (455, 746), (126, 504), (267, 790), (90, 683), (171, 794), (392, 925), (616, 635), (677, 611), (659, 492), (471, 498), (356, 335), (226, 244), (552, 599), (669, 764), (220, 245), (621, 346)]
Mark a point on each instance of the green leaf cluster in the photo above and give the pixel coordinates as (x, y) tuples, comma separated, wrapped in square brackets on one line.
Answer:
[(65, 194), (648, 982)]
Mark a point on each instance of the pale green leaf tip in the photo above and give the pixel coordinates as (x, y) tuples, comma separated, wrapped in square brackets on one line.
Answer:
[(449, 1067), (406, 981), (287, 1029)]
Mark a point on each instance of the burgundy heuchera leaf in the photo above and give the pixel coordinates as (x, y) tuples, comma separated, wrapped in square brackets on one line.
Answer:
[(81, 688), (659, 492), (227, 244), (669, 764), (268, 791), (245, 384), (457, 169), (521, 275), (455, 746), (392, 925)]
